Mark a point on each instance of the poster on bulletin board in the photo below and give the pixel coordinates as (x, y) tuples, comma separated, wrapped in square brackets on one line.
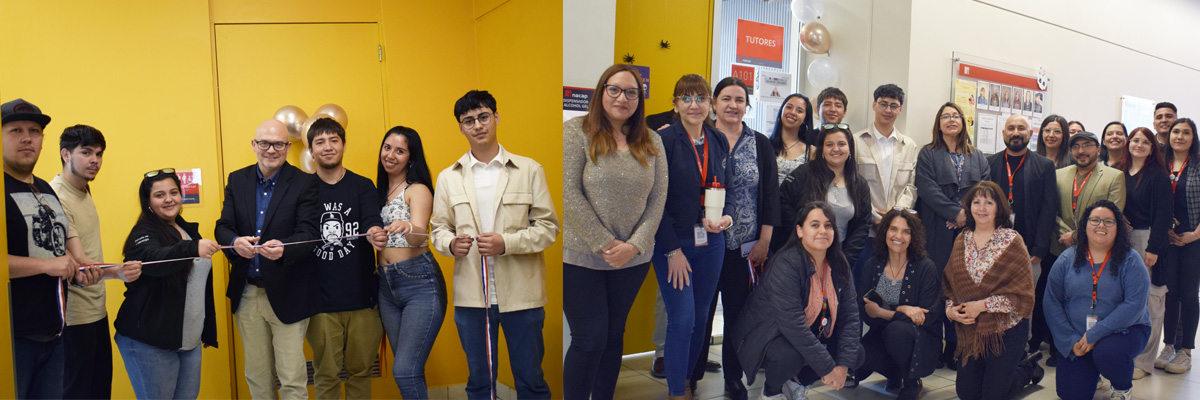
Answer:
[(988, 92)]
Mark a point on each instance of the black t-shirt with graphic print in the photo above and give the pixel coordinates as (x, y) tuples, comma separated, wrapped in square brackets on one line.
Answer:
[(346, 267), (37, 227)]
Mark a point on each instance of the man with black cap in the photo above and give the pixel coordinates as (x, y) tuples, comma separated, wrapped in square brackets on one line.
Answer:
[(38, 263), (1079, 186)]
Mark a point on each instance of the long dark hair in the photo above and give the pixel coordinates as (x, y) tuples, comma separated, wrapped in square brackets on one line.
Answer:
[(1154, 161), (806, 126), (417, 170), (1061, 159), (916, 245), (1193, 151), (822, 176), (1103, 132), (837, 260), (1121, 244), (147, 216), (964, 137)]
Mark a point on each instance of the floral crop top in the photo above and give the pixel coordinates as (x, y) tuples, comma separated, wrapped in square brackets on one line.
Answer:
[(397, 210)]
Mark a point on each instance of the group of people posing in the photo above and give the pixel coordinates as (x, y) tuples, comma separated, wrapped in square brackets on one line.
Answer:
[(950, 258), (329, 257)]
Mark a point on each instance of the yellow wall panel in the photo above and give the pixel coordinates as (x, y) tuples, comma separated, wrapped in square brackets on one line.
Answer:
[(294, 11), (686, 24)]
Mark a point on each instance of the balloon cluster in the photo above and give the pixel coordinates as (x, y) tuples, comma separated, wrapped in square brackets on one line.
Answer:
[(815, 38), (298, 122)]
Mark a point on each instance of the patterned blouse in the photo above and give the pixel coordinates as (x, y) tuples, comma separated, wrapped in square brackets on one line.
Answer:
[(786, 166), (979, 261), (397, 210), (743, 186)]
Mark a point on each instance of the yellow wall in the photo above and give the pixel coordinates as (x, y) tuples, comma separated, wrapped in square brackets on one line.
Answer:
[(7, 389), (687, 25), (144, 73)]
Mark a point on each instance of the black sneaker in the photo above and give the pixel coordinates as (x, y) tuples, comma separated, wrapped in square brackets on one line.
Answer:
[(910, 391), (658, 370), (735, 390), (894, 385), (1052, 361), (712, 366)]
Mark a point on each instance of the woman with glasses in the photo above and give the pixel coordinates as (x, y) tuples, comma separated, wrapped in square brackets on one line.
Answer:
[(1095, 305), (688, 247), (947, 168), (988, 287), (801, 323), (412, 291), (1148, 207), (1183, 280), (168, 313), (753, 186), (792, 134), (1112, 149), (1052, 141), (831, 178), (900, 298), (615, 186)]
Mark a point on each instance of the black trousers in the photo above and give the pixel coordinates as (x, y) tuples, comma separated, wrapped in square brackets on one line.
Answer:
[(1041, 331), (1181, 313), (890, 353), (997, 377), (88, 352), (734, 288), (783, 362), (596, 305)]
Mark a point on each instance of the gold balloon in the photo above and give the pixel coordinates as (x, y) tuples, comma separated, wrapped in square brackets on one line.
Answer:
[(303, 137), (293, 118), (307, 163), (815, 38), (334, 111)]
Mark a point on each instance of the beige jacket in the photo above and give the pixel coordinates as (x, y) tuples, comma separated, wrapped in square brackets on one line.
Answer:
[(525, 217), (1105, 184), (903, 190)]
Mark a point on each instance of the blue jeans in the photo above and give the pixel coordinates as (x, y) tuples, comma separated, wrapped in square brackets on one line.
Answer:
[(412, 305), (38, 368), (685, 307), (522, 332), (158, 373)]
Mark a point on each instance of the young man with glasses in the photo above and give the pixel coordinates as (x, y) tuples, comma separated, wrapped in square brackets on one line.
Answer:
[(86, 339), (1079, 186), (1028, 181), (272, 288), (886, 159), (493, 213)]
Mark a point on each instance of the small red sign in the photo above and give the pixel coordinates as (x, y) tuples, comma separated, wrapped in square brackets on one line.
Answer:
[(745, 73)]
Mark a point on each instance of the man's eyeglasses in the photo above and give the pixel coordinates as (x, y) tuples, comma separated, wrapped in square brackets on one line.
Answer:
[(888, 106), (157, 172), (1096, 221), (614, 91), (263, 145), (838, 126), (701, 99), (483, 118), (1083, 146)]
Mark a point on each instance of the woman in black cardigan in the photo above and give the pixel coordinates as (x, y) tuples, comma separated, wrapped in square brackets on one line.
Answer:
[(905, 335), (167, 313), (831, 173)]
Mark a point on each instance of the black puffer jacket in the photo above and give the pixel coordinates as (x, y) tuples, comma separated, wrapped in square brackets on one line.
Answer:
[(776, 309), (152, 312)]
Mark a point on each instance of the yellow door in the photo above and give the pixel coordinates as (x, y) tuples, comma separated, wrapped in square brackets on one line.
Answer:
[(261, 67)]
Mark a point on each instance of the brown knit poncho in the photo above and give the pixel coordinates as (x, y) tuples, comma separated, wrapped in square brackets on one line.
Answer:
[(1009, 275)]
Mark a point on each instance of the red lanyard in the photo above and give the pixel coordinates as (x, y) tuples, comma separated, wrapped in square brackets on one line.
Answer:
[(1175, 174), (701, 165), (1075, 190), (1096, 274), (1010, 174)]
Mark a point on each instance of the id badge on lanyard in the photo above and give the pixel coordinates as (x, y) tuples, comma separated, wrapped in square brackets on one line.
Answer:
[(701, 235)]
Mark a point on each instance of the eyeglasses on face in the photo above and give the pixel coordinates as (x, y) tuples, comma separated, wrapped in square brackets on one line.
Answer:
[(1096, 221), (263, 145), (483, 118), (156, 172), (946, 117), (614, 91), (701, 99), (888, 106), (1083, 146)]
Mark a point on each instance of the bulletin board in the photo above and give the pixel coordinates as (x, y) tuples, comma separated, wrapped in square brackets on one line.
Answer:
[(990, 91)]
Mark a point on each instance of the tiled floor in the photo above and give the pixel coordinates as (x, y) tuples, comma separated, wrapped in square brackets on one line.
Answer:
[(636, 383)]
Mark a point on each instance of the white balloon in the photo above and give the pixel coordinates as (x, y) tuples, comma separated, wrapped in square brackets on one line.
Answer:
[(822, 73), (807, 10)]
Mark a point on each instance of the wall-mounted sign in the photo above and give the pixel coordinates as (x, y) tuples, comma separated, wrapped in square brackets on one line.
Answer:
[(759, 44)]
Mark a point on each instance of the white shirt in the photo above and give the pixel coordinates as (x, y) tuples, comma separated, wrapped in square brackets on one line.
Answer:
[(486, 175), (887, 147)]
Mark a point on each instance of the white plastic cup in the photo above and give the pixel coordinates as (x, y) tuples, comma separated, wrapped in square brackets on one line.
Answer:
[(714, 204)]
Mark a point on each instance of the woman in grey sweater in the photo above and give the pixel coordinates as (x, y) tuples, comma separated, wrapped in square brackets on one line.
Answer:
[(614, 189)]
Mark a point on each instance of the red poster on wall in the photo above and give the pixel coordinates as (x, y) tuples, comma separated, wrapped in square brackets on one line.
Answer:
[(760, 44), (745, 73)]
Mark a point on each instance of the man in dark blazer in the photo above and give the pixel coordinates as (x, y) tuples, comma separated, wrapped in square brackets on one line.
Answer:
[(272, 288), (1029, 182)]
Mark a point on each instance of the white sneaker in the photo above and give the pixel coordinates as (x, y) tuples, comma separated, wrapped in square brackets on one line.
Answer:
[(1103, 384), (793, 390), (1139, 373), (1121, 394), (1168, 352), (1180, 364), (764, 396)]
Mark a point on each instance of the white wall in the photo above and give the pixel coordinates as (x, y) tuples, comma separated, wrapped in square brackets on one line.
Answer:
[(588, 31), (1092, 62)]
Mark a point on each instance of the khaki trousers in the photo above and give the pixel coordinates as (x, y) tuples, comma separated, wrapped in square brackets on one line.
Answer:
[(346, 339), (271, 348)]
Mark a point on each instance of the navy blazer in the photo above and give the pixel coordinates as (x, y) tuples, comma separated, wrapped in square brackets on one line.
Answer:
[(683, 209), (1036, 225), (291, 281)]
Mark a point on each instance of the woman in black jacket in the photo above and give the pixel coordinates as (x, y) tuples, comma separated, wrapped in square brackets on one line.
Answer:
[(905, 338), (802, 321), (167, 313), (831, 178)]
